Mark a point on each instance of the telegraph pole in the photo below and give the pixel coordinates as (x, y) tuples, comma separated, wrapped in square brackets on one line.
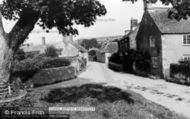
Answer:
[(145, 5), (144, 2)]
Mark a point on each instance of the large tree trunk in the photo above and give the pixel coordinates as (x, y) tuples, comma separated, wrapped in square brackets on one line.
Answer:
[(10, 42), (5, 62)]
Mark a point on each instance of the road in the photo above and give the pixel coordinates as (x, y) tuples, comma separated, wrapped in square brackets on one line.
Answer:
[(172, 96)]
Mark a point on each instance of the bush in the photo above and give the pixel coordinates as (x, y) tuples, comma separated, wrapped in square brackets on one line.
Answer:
[(51, 51), (179, 73), (55, 62), (185, 62), (92, 53), (28, 67), (37, 64), (53, 75), (19, 55), (115, 58)]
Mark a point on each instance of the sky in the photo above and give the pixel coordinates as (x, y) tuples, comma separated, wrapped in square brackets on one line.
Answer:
[(115, 22)]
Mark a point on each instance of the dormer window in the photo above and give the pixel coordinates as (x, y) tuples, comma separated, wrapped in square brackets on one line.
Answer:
[(186, 39)]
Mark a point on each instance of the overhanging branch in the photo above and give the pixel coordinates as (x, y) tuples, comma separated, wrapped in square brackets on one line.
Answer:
[(21, 30)]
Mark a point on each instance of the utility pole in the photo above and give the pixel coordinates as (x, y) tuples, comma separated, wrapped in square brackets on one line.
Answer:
[(144, 2), (145, 5)]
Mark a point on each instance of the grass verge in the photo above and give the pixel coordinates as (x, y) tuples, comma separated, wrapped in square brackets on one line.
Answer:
[(109, 102)]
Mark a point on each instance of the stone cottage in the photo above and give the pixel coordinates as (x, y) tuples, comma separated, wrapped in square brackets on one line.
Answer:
[(106, 51), (128, 41), (165, 40)]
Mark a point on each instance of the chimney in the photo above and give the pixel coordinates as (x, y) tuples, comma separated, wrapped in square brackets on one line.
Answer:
[(127, 31), (134, 23), (64, 38), (43, 41)]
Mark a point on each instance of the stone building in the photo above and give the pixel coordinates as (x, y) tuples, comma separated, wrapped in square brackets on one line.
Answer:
[(165, 40)]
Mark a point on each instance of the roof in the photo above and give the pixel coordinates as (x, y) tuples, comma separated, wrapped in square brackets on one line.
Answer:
[(76, 45), (110, 47), (167, 25), (79, 47), (33, 48), (41, 47), (133, 33)]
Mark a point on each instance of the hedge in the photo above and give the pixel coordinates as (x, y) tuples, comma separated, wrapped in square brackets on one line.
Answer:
[(28, 67), (53, 75), (38, 63), (180, 73)]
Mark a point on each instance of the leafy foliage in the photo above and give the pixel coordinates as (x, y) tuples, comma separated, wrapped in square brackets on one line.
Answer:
[(90, 43), (25, 69), (180, 10), (19, 55), (62, 14), (51, 51), (36, 64), (115, 57), (179, 73)]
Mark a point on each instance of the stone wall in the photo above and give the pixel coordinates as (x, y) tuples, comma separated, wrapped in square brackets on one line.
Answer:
[(53, 75)]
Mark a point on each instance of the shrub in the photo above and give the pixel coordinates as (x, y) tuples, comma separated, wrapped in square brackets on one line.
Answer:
[(179, 73), (19, 55), (185, 62), (28, 67), (92, 53), (37, 64), (55, 62), (183, 68), (51, 51), (115, 58)]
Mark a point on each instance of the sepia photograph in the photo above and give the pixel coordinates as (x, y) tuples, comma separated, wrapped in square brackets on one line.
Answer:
[(94, 59)]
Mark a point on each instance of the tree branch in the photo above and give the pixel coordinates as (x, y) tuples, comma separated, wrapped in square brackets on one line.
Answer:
[(22, 29)]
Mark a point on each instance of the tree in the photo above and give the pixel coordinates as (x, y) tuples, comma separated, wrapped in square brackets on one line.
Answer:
[(90, 43), (19, 55), (51, 51), (180, 10), (62, 14)]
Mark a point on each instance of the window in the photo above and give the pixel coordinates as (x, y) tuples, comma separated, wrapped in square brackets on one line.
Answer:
[(186, 39), (152, 41), (155, 62)]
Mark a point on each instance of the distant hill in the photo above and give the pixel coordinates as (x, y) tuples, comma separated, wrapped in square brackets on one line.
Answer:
[(104, 38)]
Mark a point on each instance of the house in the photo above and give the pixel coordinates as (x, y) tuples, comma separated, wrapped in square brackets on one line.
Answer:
[(128, 41), (163, 40), (31, 49), (65, 45), (106, 51), (92, 54)]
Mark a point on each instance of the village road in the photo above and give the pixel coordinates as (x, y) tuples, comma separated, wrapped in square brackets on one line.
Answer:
[(172, 96)]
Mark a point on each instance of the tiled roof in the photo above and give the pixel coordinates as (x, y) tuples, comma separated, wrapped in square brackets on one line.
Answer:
[(167, 25)]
